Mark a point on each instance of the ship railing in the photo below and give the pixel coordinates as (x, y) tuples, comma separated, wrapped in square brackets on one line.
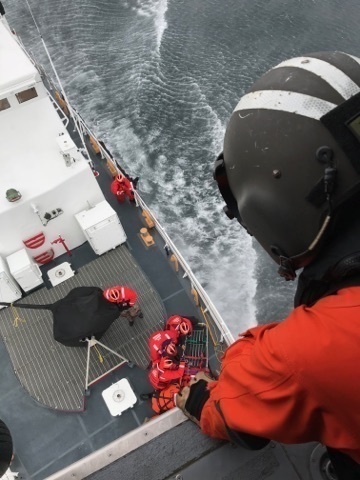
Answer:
[(60, 111), (210, 308), (207, 308)]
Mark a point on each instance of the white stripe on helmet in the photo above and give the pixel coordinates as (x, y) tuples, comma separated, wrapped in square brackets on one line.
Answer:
[(291, 102), (357, 59), (336, 78)]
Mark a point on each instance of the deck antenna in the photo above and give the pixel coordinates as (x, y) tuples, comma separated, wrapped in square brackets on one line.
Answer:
[(60, 85)]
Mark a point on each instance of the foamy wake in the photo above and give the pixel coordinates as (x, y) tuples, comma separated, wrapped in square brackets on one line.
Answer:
[(156, 9), (229, 270)]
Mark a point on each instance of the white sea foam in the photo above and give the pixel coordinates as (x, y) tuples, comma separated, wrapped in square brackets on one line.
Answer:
[(155, 9), (231, 277)]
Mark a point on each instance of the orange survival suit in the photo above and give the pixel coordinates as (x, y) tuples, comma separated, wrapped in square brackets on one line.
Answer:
[(295, 381), (122, 188)]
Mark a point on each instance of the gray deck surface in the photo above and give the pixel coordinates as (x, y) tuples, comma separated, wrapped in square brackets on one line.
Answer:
[(54, 374), (185, 453)]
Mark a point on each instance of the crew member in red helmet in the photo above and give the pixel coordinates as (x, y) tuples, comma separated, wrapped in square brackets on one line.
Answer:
[(122, 188), (182, 325), (126, 299), (159, 341)]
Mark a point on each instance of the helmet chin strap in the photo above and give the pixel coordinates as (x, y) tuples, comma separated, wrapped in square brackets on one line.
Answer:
[(288, 265), (286, 269)]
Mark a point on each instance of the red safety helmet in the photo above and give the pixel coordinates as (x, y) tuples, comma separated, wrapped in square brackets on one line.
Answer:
[(112, 294), (158, 342), (184, 328), (155, 380), (120, 177), (166, 363), (180, 324), (171, 349)]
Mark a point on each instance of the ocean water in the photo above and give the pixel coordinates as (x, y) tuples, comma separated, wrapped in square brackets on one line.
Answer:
[(157, 80)]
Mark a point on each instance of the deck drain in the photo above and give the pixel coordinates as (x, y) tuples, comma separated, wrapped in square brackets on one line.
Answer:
[(118, 396), (60, 272)]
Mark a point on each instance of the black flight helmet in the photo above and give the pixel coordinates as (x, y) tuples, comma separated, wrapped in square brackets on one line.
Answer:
[(291, 158)]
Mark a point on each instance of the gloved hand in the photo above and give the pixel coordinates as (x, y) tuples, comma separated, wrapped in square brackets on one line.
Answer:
[(191, 399)]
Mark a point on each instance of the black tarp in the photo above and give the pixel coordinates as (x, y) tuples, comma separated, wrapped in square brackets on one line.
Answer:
[(84, 312)]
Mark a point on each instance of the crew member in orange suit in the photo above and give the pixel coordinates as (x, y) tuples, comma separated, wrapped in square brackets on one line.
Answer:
[(122, 188), (290, 174)]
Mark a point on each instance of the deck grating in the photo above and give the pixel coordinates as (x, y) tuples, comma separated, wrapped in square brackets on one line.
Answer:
[(54, 374)]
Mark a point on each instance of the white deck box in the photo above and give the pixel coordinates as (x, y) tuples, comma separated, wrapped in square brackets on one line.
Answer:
[(101, 227), (119, 397), (9, 289), (25, 271)]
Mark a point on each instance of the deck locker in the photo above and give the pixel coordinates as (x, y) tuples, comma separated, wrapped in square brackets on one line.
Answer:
[(25, 271), (102, 227), (9, 288)]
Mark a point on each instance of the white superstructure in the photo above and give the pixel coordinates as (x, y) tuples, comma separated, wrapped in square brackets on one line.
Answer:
[(39, 160)]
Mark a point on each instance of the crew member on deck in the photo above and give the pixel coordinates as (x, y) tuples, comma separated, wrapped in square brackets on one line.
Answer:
[(126, 300), (122, 188), (290, 175)]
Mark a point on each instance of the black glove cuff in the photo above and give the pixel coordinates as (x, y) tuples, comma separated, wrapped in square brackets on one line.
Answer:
[(198, 396)]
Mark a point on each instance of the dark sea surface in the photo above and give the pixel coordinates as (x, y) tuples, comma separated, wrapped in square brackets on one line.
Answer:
[(157, 80)]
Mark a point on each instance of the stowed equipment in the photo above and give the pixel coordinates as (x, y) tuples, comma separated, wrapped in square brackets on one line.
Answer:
[(177, 353)]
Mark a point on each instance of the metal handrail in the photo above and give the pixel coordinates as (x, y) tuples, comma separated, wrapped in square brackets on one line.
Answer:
[(64, 118), (209, 306)]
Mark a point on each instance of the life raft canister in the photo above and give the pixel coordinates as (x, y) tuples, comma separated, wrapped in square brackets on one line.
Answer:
[(180, 324)]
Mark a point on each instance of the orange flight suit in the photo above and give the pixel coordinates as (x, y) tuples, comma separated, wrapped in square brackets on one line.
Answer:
[(295, 381)]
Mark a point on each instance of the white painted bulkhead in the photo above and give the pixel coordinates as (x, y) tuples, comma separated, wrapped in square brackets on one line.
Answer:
[(34, 141)]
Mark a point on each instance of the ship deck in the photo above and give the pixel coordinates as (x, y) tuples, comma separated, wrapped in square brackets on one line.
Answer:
[(43, 400)]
